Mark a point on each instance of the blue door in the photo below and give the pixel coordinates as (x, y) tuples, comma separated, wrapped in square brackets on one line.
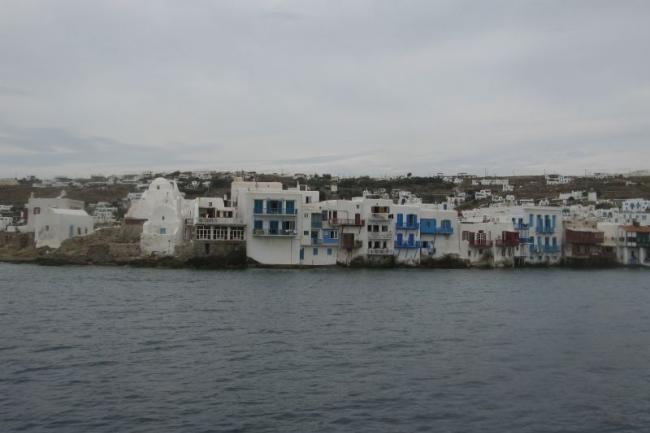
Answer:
[(302, 254), (273, 227), (259, 206), (400, 219), (290, 207)]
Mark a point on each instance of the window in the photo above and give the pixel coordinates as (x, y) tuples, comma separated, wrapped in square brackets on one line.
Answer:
[(221, 233), (290, 206), (425, 244), (307, 199), (384, 228), (37, 210), (329, 251), (288, 226), (78, 231), (237, 233), (302, 254), (47, 228), (306, 233), (202, 232), (258, 225), (273, 227), (334, 234), (315, 251), (163, 231)]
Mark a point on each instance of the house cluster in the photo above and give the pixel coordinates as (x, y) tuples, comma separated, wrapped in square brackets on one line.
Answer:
[(49, 221), (291, 226)]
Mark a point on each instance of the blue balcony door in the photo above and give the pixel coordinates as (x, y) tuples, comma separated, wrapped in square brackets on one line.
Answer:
[(302, 254), (400, 219), (400, 238), (411, 239), (290, 207), (273, 227), (259, 206), (274, 206), (412, 219)]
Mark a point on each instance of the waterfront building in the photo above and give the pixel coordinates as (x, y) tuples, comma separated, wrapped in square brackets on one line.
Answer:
[(545, 228), (634, 245), (214, 228), (37, 206), (161, 211), (274, 218), (52, 226), (584, 242)]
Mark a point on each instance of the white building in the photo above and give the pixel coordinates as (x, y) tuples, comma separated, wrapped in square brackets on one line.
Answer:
[(557, 179), (635, 205), (37, 206), (52, 226), (104, 213), (162, 211), (274, 218)]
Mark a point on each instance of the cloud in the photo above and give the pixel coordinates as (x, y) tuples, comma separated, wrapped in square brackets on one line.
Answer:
[(359, 87)]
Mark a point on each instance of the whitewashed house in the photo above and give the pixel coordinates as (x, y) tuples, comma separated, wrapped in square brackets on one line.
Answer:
[(52, 226), (274, 219)]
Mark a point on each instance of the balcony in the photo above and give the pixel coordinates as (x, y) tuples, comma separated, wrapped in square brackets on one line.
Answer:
[(408, 226), (407, 245), (274, 233), (379, 252), (211, 221), (379, 216), (329, 241), (449, 230), (276, 212), (346, 222), (513, 242), (584, 237), (544, 230), (480, 243), (544, 249), (526, 240), (521, 226), (380, 235), (551, 249), (433, 230)]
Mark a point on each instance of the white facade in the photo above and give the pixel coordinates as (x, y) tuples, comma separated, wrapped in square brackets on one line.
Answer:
[(163, 210), (52, 226), (37, 206), (635, 205), (274, 220)]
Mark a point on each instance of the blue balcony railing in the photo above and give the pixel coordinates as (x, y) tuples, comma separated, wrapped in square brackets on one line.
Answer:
[(445, 230), (551, 249), (407, 245), (544, 230), (330, 241), (407, 226), (526, 240), (521, 226), (433, 230)]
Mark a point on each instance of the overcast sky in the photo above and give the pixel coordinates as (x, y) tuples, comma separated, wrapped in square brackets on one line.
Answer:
[(343, 87)]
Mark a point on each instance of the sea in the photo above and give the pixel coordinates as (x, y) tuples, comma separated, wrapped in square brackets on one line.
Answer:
[(110, 349)]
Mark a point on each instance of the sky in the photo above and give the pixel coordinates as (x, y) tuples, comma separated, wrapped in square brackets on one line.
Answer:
[(343, 87)]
